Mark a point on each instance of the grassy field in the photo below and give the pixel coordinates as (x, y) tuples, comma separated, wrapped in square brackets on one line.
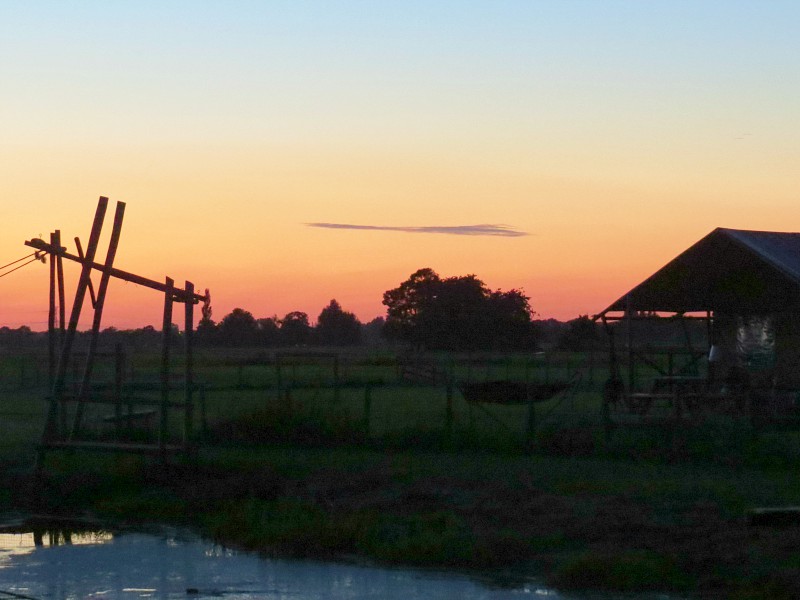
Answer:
[(289, 464)]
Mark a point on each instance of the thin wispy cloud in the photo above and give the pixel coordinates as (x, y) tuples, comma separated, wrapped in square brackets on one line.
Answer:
[(484, 229)]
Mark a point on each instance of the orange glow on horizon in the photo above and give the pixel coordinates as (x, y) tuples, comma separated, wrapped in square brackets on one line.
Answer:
[(614, 136)]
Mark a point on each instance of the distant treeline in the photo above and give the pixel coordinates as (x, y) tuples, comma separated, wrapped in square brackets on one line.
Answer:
[(427, 312), (577, 334)]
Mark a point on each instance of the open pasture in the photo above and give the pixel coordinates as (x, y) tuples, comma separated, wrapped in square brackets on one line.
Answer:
[(350, 395), (321, 397)]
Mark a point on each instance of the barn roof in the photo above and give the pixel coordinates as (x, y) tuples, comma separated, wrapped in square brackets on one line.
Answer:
[(729, 270)]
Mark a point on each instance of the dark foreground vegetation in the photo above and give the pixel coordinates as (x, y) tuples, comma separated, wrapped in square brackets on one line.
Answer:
[(587, 522), (302, 455), (655, 510)]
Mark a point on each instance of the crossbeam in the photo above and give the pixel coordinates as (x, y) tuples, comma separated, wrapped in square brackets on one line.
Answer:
[(179, 295)]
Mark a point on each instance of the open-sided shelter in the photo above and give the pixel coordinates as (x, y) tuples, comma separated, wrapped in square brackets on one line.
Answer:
[(746, 286)]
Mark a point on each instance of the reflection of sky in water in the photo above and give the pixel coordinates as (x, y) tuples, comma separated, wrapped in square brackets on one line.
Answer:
[(24, 543), (146, 566), (133, 566)]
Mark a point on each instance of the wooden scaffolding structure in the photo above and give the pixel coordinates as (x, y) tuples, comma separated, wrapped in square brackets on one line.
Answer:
[(58, 434)]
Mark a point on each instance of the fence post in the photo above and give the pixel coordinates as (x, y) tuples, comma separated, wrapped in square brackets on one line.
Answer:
[(288, 398), (336, 393), (547, 367), (531, 424), (607, 425), (203, 417), (449, 398), (367, 409)]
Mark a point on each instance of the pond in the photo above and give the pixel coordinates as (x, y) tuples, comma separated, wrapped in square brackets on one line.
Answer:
[(171, 563)]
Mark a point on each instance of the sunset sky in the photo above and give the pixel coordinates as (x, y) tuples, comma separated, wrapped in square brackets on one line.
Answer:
[(286, 153)]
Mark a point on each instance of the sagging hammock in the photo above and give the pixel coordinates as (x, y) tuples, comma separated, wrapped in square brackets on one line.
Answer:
[(512, 392)]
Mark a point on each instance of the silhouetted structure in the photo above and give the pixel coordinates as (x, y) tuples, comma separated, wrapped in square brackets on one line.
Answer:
[(745, 286), (57, 434)]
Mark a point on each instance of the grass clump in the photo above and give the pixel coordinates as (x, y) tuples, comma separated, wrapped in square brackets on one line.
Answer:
[(628, 570)]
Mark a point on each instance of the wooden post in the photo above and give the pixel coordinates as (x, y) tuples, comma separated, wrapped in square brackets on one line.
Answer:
[(531, 424), (51, 319), (449, 411), (547, 367), (709, 343), (83, 391), (69, 336), (629, 336), (188, 339), (166, 330), (203, 414), (613, 386), (278, 374), (62, 323), (336, 392), (367, 409), (62, 311)]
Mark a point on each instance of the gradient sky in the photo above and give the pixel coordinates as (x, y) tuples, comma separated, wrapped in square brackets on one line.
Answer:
[(614, 134)]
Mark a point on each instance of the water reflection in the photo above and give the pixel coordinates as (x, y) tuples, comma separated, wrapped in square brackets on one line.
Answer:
[(23, 542), (174, 564)]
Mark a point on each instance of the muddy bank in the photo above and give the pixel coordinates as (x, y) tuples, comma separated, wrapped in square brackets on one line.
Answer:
[(584, 523)]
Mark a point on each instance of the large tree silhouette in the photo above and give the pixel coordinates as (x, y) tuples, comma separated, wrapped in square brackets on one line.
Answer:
[(295, 329), (336, 327), (238, 329), (456, 313)]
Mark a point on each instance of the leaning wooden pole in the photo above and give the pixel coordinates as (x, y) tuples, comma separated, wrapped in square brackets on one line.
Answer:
[(57, 394), (100, 299), (166, 334)]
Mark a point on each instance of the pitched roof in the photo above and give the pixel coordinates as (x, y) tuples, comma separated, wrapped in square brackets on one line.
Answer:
[(729, 270)]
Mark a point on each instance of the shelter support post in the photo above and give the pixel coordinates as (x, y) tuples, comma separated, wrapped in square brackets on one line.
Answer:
[(629, 344)]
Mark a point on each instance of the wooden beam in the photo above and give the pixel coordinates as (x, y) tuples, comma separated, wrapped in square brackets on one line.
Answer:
[(179, 294)]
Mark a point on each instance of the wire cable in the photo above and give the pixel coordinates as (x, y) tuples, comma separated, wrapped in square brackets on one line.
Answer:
[(19, 267), (18, 260)]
